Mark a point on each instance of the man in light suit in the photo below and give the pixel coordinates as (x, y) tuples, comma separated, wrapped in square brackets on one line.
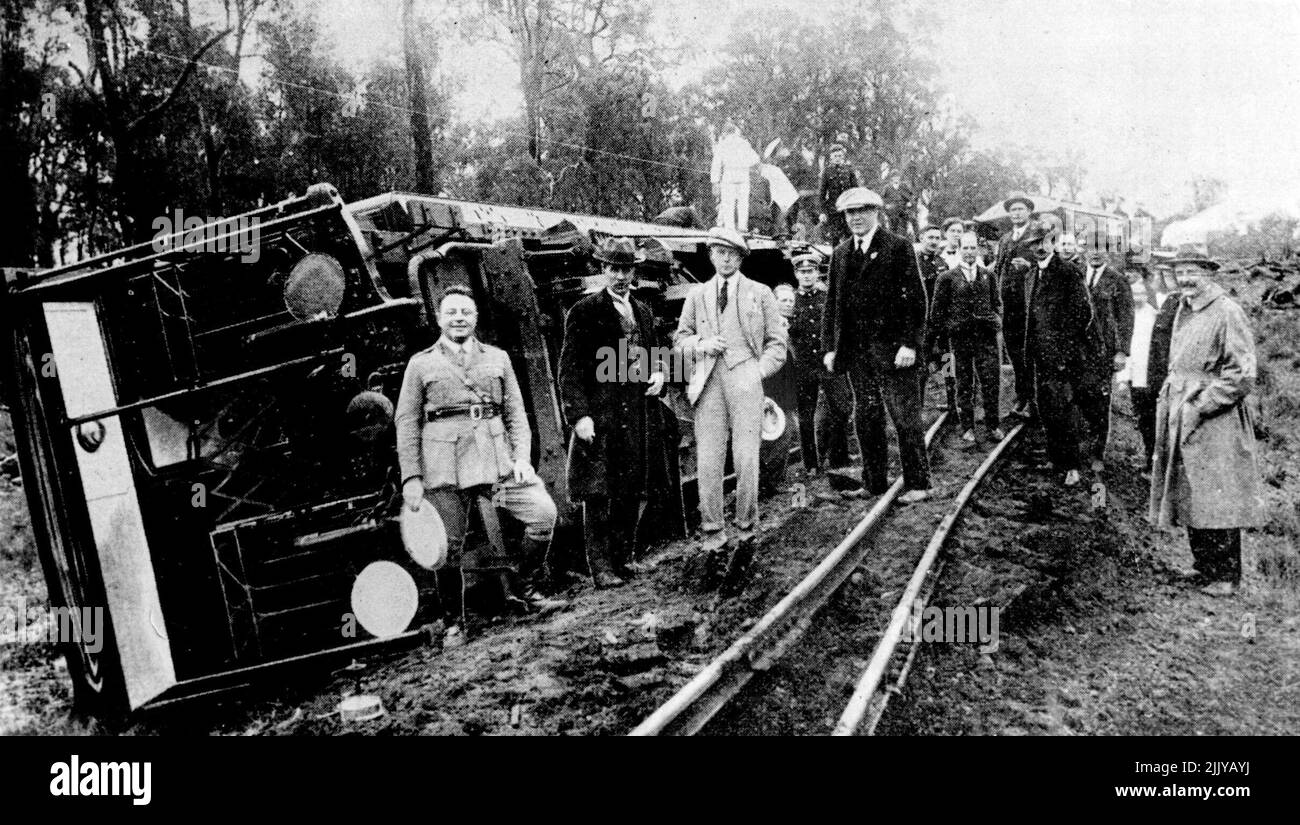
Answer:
[(732, 331), (873, 329)]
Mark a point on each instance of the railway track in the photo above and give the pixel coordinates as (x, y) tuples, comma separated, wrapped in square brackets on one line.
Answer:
[(780, 630)]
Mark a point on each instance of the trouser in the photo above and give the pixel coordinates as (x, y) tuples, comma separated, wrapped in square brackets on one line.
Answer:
[(733, 211), (975, 356), (1024, 367), (1093, 393), (1144, 410), (1216, 553), (609, 527), (1056, 408), (825, 408), (774, 456), (898, 392), (729, 410)]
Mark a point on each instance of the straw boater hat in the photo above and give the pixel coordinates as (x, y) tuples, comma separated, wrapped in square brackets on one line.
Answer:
[(773, 426), (424, 535), (618, 252), (1018, 197)]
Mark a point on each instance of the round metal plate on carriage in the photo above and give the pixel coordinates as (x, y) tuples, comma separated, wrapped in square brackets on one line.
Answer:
[(315, 286), (384, 599), (360, 708)]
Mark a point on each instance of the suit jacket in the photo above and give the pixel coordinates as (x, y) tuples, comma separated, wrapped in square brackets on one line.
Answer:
[(628, 454), (1012, 283), (759, 319), (1060, 333), (960, 307), (1112, 300), (873, 310)]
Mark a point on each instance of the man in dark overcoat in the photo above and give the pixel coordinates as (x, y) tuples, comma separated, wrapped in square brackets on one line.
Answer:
[(618, 457)]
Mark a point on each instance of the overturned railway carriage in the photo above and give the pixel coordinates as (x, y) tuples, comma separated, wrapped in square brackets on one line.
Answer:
[(205, 421)]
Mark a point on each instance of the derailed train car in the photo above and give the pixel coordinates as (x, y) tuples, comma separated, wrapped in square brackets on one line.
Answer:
[(205, 436)]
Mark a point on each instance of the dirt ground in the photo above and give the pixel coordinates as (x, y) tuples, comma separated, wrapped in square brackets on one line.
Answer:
[(1094, 638)]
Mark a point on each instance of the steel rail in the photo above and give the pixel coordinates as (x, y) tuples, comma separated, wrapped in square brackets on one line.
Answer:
[(858, 705), (688, 710)]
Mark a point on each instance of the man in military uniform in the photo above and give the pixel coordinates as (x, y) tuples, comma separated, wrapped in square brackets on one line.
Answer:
[(835, 178), (618, 456), (462, 433), (823, 427)]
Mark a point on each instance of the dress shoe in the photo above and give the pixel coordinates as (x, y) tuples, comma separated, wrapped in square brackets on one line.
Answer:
[(913, 496), (968, 436), (1072, 478), (855, 492), (713, 540), (453, 637), (1220, 589), (997, 434)]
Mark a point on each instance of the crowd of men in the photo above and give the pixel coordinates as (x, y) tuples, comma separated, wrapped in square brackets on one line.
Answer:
[(852, 351)]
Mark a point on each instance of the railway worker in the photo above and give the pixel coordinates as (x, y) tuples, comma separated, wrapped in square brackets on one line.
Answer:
[(733, 157), (874, 329), (823, 427), (835, 178), (1205, 474), (1112, 304), (932, 265), (1011, 268), (953, 229), (462, 432), (618, 456), (966, 315), (732, 331), (1059, 338)]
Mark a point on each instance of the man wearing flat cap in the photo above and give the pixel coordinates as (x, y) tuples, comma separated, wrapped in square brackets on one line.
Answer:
[(733, 336), (874, 330), (1011, 268), (1205, 472), (1060, 337), (618, 456)]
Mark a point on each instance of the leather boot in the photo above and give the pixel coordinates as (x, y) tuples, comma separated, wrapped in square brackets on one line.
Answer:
[(532, 576), (602, 568)]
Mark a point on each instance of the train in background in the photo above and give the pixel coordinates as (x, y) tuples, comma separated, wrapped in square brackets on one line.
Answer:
[(205, 435)]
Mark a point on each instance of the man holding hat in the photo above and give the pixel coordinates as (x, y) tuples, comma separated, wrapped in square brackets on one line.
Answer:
[(733, 336), (1011, 268), (1060, 335), (463, 433), (835, 178), (874, 330), (618, 457), (824, 427), (1205, 473)]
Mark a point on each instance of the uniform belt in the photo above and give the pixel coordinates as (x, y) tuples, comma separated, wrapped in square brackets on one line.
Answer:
[(475, 412)]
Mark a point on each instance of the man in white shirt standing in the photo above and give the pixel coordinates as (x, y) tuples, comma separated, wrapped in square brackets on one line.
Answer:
[(729, 174)]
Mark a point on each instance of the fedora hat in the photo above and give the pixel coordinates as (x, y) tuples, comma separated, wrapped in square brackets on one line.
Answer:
[(1018, 197), (728, 237), (618, 252), (773, 426), (424, 535), (1193, 255)]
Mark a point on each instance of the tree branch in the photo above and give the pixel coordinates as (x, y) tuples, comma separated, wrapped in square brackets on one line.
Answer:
[(180, 83)]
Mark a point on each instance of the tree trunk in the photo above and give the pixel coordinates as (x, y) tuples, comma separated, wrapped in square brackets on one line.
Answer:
[(426, 180)]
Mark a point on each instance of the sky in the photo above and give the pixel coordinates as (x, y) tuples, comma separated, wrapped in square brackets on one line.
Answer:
[(1153, 93)]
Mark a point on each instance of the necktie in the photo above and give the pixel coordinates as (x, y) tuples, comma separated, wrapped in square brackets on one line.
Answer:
[(722, 297), (1092, 277), (461, 356)]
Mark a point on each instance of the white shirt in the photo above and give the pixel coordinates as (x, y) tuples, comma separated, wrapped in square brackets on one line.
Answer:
[(864, 242), (1016, 232), (1144, 321), (623, 305), (1042, 265), (1094, 275), (969, 272), (730, 282)]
